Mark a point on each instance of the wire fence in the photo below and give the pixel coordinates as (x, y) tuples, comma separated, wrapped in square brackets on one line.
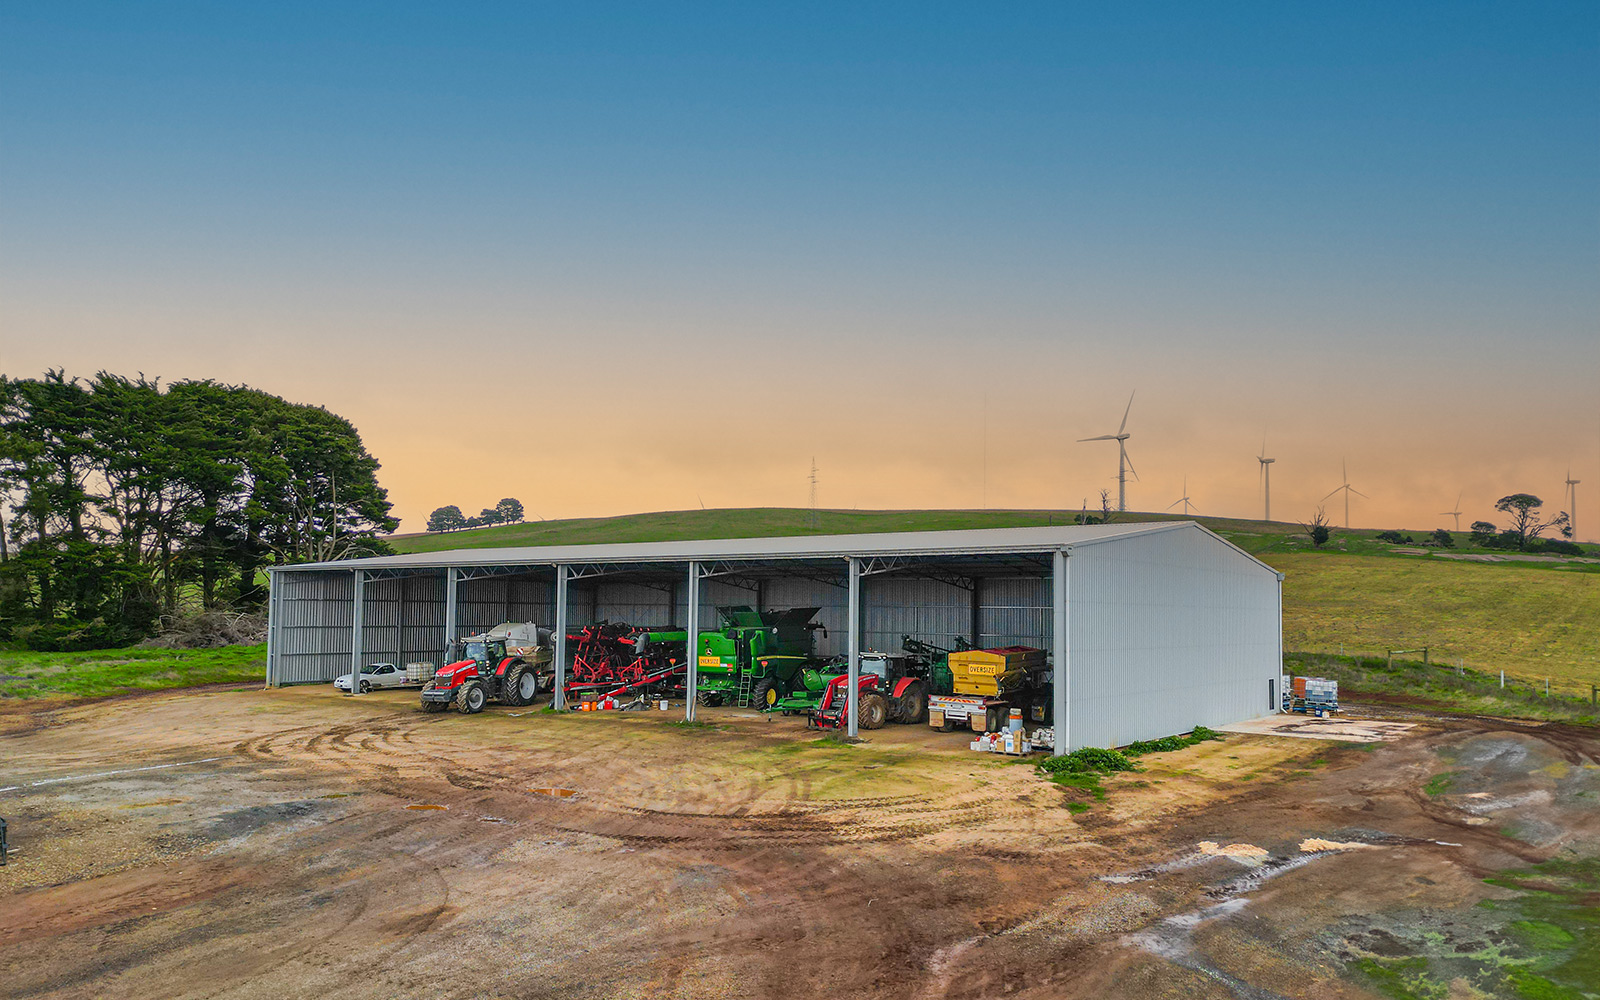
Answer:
[(1456, 672)]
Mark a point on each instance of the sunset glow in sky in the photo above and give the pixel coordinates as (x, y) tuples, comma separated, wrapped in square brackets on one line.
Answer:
[(610, 258)]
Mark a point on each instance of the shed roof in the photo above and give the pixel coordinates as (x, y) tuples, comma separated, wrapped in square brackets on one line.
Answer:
[(975, 541)]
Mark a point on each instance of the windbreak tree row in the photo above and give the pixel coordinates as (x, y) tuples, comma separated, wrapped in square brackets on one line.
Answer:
[(123, 500)]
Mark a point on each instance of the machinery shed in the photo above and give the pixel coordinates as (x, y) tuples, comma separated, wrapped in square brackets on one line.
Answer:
[(1151, 628)]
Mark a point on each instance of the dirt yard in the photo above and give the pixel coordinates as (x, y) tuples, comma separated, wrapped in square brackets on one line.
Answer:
[(241, 843)]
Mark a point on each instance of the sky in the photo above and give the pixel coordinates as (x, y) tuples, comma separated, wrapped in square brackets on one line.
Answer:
[(608, 258)]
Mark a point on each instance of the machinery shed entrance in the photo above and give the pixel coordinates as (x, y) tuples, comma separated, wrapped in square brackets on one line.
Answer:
[(1150, 628)]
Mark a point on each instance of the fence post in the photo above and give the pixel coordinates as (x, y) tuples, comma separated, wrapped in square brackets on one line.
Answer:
[(1547, 687), (1390, 654), (1424, 655), (1502, 680), (1594, 694)]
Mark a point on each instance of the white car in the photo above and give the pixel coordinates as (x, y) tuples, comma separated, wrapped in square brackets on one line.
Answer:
[(374, 675)]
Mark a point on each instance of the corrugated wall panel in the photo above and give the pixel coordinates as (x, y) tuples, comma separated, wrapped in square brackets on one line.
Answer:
[(635, 603), (424, 619), (894, 607), (1014, 611), (796, 592), (1169, 631), (313, 642)]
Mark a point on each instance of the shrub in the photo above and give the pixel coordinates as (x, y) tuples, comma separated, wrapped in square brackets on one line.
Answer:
[(1558, 547), (1444, 539), (1089, 760)]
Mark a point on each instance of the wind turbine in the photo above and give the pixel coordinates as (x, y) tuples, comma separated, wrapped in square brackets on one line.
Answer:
[(1572, 508), (1348, 489), (1457, 512), (1183, 499), (1266, 477), (1123, 465)]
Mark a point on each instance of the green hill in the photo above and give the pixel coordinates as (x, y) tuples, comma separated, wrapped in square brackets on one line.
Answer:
[(1533, 619)]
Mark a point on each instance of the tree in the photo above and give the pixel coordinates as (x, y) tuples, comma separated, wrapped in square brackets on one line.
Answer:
[(489, 515), (510, 511), (1525, 524), (447, 519), (1318, 528), (122, 492), (1483, 534), (1443, 539)]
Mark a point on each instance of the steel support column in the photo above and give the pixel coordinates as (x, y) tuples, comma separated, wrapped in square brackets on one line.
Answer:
[(1277, 705), (272, 627), (358, 600), (692, 645), (1061, 650), (852, 694), (558, 697), (450, 580)]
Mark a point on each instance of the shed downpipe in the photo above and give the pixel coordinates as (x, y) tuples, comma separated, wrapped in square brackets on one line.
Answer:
[(692, 644), (358, 601), (852, 695), (1061, 650), (558, 697)]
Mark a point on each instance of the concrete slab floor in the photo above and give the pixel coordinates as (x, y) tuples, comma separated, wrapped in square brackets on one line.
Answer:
[(1339, 728)]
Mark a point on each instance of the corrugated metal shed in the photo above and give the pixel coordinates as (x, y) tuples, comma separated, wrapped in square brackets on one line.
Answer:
[(1167, 624)]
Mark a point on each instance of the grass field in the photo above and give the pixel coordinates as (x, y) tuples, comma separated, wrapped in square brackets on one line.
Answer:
[(1358, 594), (97, 673)]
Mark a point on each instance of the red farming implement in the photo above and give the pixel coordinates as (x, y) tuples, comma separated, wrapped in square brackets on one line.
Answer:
[(615, 657)]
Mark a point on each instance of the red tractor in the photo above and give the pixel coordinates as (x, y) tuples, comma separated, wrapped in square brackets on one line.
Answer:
[(484, 671), (890, 688)]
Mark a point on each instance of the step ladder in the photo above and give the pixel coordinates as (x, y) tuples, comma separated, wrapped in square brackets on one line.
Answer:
[(746, 686)]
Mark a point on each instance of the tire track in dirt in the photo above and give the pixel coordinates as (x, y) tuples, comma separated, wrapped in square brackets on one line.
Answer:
[(389, 753)]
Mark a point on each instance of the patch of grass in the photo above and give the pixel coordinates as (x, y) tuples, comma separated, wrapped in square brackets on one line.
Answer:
[(1403, 978), (1440, 783), (1078, 807), (1082, 782), (695, 726), (1448, 690), (101, 672), (1520, 617)]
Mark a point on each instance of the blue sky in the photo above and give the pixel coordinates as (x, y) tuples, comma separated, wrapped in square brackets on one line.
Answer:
[(1351, 222)]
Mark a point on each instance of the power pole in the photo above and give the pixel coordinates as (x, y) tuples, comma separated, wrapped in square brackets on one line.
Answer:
[(813, 492)]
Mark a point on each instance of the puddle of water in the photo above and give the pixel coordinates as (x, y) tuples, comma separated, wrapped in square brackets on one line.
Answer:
[(560, 793), (425, 805)]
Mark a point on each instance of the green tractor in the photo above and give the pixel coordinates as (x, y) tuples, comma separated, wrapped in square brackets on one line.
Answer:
[(901, 681), (754, 660)]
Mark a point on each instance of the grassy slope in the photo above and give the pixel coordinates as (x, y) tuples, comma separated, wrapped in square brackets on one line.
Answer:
[(1531, 619), (102, 672)]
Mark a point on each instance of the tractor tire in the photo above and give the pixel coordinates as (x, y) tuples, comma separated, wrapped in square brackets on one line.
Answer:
[(872, 709), (433, 706), (520, 686), (708, 699), (911, 707), (366, 687), (471, 698), (764, 697)]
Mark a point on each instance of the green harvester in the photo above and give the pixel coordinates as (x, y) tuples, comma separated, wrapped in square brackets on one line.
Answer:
[(754, 660)]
